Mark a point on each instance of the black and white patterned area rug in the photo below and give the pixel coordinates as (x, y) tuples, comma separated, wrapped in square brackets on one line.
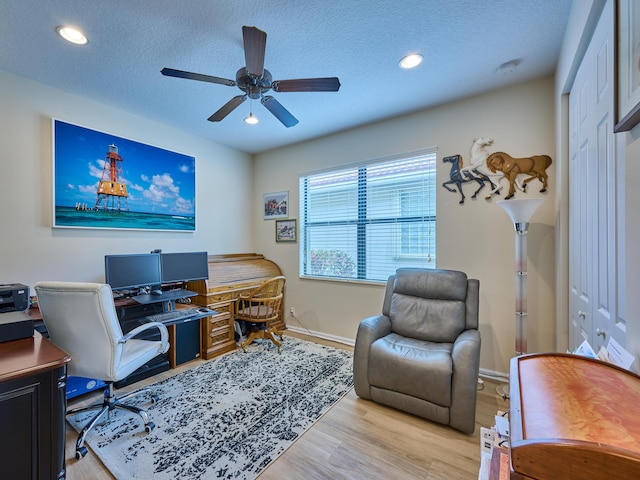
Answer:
[(228, 418)]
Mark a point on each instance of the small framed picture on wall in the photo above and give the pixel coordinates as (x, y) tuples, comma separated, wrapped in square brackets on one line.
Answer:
[(276, 205), (286, 230)]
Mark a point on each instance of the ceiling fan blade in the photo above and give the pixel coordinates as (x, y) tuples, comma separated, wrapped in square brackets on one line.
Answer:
[(279, 111), (255, 43), (170, 72), (227, 108), (328, 84)]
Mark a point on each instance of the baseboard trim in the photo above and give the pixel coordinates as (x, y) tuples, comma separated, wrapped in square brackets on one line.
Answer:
[(325, 336), (484, 373), (493, 375)]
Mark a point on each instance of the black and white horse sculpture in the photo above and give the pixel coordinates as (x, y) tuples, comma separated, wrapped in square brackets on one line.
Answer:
[(458, 178)]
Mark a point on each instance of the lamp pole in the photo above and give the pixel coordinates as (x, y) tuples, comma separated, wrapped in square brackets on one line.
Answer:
[(521, 286), (520, 212)]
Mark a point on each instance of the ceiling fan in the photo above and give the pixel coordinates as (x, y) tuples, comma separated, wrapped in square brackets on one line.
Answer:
[(255, 81)]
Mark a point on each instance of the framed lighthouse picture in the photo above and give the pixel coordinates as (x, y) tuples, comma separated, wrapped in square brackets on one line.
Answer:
[(105, 181)]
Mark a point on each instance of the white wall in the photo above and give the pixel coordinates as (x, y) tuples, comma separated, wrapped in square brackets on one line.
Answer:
[(30, 250), (476, 237)]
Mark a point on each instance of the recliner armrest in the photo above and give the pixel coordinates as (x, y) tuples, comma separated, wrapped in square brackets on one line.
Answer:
[(164, 334), (369, 330), (467, 339), (375, 327), (466, 365)]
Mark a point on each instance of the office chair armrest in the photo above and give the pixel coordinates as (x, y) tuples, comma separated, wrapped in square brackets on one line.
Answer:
[(164, 333)]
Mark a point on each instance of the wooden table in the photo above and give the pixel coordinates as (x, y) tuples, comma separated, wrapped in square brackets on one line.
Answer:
[(33, 374), (573, 418)]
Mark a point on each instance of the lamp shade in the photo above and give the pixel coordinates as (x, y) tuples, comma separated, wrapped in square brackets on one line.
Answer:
[(520, 211)]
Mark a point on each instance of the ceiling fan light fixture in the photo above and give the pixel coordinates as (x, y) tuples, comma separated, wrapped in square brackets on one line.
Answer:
[(251, 120), (72, 35), (255, 81), (411, 61)]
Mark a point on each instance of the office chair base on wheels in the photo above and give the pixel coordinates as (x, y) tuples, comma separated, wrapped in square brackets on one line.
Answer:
[(267, 334), (109, 403)]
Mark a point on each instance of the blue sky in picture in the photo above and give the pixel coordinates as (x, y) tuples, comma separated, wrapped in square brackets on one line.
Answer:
[(158, 180)]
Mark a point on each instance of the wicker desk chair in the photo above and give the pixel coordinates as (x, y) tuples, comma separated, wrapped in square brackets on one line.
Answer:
[(258, 308)]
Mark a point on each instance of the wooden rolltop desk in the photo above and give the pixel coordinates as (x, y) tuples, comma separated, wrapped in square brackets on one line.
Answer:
[(230, 276), (573, 418)]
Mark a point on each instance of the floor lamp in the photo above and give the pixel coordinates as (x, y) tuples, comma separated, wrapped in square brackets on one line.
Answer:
[(520, 212)]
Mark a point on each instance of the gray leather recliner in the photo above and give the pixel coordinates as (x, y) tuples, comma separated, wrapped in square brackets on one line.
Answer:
[(422, 355)]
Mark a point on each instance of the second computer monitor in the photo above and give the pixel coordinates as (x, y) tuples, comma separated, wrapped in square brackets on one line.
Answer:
[(184, 267)]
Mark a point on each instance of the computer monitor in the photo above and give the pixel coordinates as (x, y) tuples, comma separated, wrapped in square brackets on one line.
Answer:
[(131, 271), (184, 267)]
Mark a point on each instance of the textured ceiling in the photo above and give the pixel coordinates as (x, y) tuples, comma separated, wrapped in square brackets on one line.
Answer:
[(359, 41)]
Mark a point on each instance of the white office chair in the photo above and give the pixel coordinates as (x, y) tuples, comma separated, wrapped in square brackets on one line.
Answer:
[(81, 319)]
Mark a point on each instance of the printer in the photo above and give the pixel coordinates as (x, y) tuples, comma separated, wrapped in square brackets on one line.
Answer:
[(14, 323), (14, 297)]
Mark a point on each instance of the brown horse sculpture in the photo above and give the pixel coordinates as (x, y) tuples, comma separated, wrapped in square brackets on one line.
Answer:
[(534, 166)]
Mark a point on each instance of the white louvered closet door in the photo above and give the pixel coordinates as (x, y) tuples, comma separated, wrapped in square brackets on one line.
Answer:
[(595, 264)]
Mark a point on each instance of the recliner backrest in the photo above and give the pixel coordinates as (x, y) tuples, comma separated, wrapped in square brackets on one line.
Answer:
[(428, 304)]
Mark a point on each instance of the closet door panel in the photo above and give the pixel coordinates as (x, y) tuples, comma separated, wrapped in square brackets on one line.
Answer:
[(594, 183)]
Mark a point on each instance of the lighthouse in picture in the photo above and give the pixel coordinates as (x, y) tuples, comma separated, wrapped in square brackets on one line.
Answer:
[(112, 192)]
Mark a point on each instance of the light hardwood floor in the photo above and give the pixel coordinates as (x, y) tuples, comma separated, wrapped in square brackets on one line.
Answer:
[(355, 439)]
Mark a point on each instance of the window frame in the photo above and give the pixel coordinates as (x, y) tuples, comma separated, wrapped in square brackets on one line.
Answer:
[(364, 220)]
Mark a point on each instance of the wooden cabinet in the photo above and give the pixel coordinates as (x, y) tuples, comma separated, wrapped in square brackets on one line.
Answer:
[(217, 331), (573, 418), (33, 373), (230, 276)]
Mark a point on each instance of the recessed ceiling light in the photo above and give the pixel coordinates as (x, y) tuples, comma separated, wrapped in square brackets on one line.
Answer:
[(410, 61), (72, 35)]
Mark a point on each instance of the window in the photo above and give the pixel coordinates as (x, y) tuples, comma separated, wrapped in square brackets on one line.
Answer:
[(362, 222)]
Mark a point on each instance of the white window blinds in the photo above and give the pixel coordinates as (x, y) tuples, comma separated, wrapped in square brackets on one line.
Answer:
[(363, 222)]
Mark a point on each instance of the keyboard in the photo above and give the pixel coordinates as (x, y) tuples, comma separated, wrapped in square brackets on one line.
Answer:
[(173, 316)]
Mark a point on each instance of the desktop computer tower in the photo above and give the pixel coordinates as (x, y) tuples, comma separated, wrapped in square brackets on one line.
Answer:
[(186, 341)]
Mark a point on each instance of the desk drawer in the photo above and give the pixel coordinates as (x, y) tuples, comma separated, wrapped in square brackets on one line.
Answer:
[(217, 334)]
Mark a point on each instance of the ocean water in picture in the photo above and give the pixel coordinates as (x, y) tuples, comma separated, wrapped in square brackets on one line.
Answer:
[(70, 217)]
